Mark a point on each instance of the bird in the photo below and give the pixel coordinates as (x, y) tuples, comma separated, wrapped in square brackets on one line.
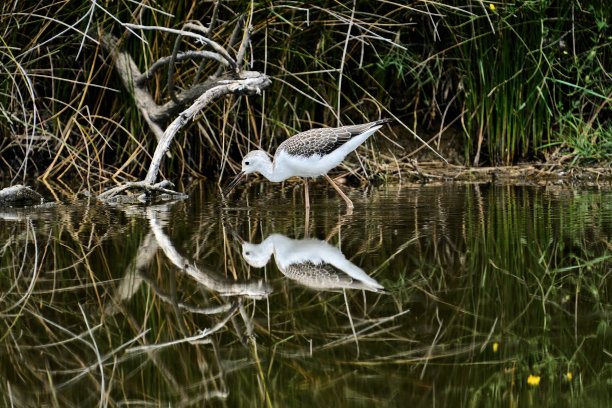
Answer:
[(308, 154), (311, 262)]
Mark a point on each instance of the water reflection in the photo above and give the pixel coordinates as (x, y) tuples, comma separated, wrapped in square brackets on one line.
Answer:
[(485, 286), (311, 262), (209, 280), (204, 276)]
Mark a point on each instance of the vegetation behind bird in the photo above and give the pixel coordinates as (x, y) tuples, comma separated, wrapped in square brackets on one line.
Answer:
[(520, 81)]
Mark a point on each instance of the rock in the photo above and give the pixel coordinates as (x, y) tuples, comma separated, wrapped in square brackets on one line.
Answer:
[(19, 196)]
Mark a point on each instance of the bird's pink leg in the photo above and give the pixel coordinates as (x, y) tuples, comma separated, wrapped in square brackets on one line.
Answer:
[(306, 195), (349, 203)]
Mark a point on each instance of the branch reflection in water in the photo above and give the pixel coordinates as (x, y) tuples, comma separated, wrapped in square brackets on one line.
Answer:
[(206, 278)]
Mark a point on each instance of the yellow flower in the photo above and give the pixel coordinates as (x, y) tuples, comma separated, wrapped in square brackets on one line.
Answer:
[(534, 380), (492, 6), (495, 346), (569, 376)]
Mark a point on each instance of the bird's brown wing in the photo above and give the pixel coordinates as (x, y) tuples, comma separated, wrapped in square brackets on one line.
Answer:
[(315, 142), (322, 141), (320, 276)]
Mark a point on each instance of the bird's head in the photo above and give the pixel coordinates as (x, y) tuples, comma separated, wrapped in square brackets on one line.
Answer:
[(256, 255), (255, 161)]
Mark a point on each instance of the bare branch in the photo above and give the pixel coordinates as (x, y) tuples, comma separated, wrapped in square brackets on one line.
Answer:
[(128, 71), (250, 82), (198, 37), (182, 56), (197, 97)]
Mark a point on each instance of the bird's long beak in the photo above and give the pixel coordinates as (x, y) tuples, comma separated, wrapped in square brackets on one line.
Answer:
[(235, 181)]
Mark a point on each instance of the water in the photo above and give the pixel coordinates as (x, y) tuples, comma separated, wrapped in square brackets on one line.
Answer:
[(494, 295)]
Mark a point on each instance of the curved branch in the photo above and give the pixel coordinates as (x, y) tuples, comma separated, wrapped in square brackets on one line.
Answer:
[(216, 46), (182, 56), (251, 82)]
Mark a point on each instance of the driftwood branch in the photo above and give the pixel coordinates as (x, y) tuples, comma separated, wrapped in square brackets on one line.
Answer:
[(181, 56), (189, 102), (149, 193), (128, 71), (251, 82), (199, 37), (135, 82)]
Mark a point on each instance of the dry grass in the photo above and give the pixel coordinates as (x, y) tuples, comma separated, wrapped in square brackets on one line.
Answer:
[(432, 66)]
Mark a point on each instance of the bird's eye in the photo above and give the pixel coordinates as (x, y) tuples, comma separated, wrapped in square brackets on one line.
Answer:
[(247, 163), (247, 253)]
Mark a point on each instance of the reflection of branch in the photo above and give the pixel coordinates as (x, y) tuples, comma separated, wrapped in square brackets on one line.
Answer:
[(162, 295), (206, 278), (199, 338), (134, 273)]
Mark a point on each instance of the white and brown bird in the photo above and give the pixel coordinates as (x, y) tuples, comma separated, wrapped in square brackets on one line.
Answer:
[(311, 153)]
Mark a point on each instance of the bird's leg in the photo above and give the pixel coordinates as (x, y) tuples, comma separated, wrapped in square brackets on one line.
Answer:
[(306, 208), (349, 203), (306, 195)]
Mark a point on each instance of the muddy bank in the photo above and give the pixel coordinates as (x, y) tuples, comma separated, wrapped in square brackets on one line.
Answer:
[(532, 173)]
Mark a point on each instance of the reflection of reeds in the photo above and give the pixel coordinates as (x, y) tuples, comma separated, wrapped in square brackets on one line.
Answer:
[(466, 267)]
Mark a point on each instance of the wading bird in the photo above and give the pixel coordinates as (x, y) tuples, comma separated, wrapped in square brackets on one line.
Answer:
[(308, 154)]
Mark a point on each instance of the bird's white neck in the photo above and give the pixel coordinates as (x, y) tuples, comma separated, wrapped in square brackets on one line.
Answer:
[(268, 170)]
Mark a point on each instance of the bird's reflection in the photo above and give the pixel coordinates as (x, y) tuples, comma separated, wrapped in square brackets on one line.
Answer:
[(310, 262)]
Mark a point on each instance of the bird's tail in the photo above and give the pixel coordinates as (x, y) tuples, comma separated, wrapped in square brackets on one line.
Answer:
[(381, 121)]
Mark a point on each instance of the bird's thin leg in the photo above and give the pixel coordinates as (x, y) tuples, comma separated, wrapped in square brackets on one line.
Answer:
[(349, 203), (306, 195), (306, 208)]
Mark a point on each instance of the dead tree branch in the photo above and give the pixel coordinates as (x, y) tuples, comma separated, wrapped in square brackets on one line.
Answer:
[(250, 82), (188, 102)]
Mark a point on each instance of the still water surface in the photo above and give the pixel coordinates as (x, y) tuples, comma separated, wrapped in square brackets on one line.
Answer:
[(448, 295)]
